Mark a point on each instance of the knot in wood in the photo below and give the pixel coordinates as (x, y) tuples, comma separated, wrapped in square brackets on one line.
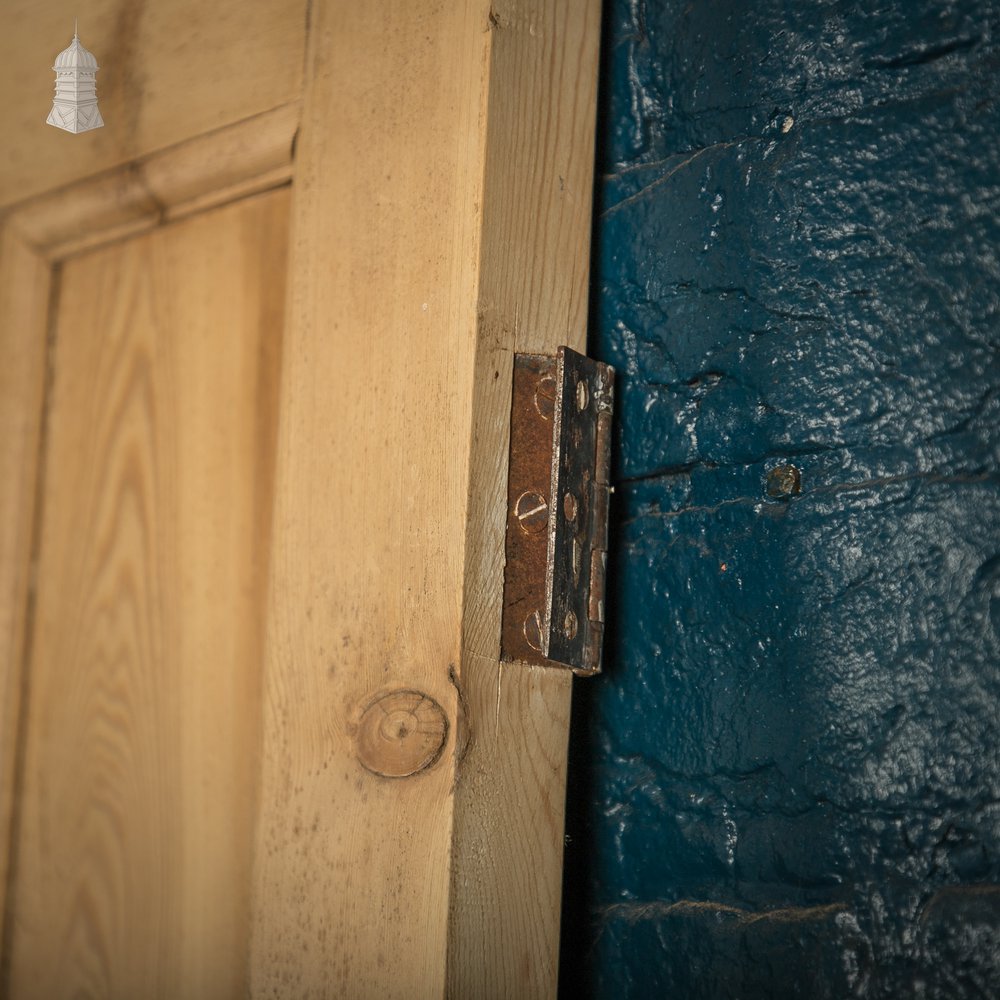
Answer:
[(401, 733)]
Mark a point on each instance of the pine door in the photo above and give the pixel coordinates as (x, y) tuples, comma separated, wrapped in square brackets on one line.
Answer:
[(256, 343)]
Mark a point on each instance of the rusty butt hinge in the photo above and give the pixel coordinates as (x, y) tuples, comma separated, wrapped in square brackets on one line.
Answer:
[(557, 511)]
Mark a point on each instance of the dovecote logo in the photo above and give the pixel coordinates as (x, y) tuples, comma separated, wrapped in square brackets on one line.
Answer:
[(75, 106)]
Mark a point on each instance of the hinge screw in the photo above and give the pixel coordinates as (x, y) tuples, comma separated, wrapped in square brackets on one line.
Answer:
[(532, 512), (569, 625), (569, 507), (533, 630), (545, 396)]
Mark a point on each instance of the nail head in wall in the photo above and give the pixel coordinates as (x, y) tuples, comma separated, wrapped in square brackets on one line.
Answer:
[(783, 481), (401, 733)]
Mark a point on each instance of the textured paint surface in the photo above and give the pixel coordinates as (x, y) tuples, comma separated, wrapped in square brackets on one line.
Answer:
[(787, 782)]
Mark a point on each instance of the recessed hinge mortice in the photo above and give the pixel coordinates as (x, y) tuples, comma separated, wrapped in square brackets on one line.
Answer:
[(557, 511)]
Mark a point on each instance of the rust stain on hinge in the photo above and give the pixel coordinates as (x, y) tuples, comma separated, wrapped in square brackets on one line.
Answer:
[(557, 511)]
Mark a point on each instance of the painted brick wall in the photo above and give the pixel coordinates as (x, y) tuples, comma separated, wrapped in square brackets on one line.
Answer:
[(787, 782)]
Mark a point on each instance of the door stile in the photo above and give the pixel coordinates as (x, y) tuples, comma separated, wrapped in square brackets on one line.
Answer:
[(441, 222), (26, 281)]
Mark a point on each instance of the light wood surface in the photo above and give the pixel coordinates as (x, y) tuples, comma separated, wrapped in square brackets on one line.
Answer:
[(506, 879), (24, 301), (230, 163), (351, 888), (169, 71), (441, 221), (407, 834), (132, 869)]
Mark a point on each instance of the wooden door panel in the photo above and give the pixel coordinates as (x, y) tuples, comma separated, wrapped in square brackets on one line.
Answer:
[(169, 71), (133, 860)]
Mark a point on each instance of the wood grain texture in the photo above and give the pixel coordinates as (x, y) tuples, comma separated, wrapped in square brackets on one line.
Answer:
[(506, 878), (232, 162), (441, 221), (170, 71), (351, 887), (134, 851), (24, 299)]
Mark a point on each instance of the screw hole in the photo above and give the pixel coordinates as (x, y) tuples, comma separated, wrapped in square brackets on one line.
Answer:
[(582, 395)]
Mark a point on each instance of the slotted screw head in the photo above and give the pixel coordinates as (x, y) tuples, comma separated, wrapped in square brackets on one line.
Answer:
[(532, 512), (533, 631), (569, 625), (545, 396)]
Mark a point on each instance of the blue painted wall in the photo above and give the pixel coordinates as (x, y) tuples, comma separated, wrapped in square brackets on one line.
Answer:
[(787, 782)]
